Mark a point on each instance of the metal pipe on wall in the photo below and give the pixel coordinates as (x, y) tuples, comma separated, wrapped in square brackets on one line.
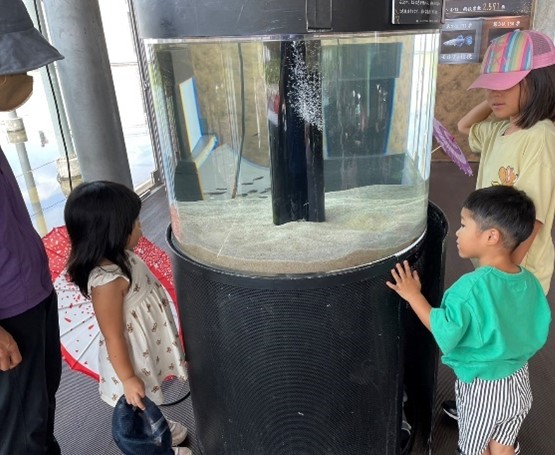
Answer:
[(75, 28), (18, 136)]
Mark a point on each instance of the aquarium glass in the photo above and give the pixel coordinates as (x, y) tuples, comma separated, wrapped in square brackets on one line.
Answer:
[(297, 154)]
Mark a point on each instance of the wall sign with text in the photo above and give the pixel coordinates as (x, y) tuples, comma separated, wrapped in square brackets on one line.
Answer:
[(413, 12), (496, 26), (455, 9), (460, 41), (471, 25)]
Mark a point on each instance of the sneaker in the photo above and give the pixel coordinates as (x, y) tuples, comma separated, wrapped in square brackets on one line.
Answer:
[(182, 451), (450, 408), (178, 431)]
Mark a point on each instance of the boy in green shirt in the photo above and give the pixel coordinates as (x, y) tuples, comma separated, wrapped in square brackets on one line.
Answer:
[(490, 322)]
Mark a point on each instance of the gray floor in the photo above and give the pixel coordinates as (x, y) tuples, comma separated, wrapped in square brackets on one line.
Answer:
[(84, 421)]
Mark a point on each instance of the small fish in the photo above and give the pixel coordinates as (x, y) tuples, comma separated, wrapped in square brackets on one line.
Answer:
[(459, 41)]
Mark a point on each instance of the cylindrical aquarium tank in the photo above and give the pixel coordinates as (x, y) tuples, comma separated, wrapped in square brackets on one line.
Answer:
[(295, 138)]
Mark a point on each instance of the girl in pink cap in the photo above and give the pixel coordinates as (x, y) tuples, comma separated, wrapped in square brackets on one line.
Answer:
[(517, 145)]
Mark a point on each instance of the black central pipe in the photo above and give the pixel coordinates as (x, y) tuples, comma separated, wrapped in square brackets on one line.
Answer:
[(296, 155)]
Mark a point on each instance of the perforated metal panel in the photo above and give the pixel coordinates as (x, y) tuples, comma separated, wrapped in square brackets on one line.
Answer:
[(303, 364)]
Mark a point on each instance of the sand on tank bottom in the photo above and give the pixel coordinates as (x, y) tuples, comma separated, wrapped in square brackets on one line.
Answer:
[(362, 225)]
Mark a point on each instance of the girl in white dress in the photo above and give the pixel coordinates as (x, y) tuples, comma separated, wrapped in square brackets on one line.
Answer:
[(139, 342)]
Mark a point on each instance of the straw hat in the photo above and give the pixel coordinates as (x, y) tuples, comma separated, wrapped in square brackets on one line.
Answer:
[(22, 49)]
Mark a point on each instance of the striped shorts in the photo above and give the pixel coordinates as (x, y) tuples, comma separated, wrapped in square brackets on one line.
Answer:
[(492, 410)]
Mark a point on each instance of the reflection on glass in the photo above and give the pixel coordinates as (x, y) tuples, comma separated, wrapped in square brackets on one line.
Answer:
[(295, 154)]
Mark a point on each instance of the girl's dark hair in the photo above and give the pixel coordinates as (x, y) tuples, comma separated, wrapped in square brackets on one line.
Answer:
[(539, 89), (99, 217), (504, 208)]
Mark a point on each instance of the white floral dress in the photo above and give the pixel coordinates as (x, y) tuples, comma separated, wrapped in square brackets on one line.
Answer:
[(152, 336)]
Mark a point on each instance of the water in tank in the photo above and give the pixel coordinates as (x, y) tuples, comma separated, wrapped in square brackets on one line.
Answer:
[(295, 154)]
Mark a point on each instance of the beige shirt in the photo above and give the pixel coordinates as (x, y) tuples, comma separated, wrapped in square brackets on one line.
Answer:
[(524, 159)]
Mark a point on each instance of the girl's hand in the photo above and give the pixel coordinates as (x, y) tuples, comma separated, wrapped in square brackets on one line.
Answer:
[(407, 283), (134, 391)]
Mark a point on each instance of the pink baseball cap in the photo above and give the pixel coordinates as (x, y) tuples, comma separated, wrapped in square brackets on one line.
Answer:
[(512, 56)]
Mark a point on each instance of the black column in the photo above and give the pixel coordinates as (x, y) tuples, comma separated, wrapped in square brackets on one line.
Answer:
[(296, 153)]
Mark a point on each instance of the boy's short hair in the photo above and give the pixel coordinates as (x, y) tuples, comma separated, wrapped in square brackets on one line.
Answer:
[(504, 208)]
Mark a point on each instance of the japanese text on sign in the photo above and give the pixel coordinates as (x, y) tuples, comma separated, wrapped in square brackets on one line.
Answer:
[(416, 11)]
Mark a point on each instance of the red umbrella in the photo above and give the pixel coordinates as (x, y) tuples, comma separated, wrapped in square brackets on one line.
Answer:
[(79, 330)]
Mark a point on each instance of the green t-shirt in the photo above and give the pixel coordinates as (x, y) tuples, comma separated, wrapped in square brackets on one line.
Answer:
[(525, 160), (490, 323)]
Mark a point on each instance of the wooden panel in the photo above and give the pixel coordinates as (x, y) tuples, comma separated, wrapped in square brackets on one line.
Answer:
[(453, 101)]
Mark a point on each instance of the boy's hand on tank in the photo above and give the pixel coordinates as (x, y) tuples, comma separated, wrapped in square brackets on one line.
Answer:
[(134, 391), (407, 282)]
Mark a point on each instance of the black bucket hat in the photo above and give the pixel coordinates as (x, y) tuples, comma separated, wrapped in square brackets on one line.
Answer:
[(22, 47), (141, 432)]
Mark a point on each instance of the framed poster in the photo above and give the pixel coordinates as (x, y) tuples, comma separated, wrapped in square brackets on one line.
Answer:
[(460, 41), (480, 8)]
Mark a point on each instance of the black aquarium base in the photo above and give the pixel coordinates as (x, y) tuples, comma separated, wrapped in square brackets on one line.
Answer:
[(310, 364)]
